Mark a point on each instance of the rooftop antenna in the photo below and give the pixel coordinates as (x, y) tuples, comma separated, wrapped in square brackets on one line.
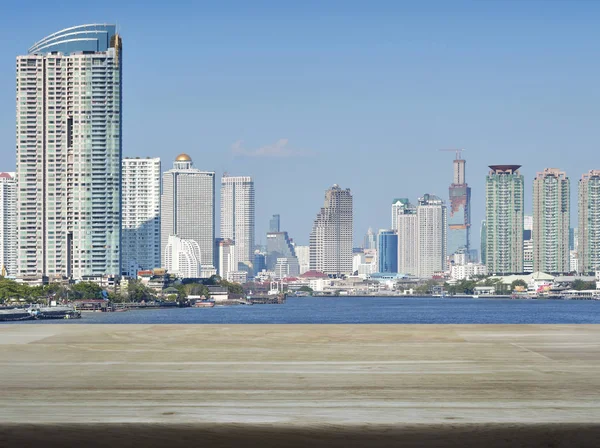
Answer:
[(457, 151)]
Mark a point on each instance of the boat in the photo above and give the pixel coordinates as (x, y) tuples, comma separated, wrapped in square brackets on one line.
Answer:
[(201, 304), (15, 314), (56, 312)]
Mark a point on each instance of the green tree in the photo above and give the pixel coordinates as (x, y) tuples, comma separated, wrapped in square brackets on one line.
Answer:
[(307, 289), (138, 292), (86, 291), (517, 283), (580, 285)]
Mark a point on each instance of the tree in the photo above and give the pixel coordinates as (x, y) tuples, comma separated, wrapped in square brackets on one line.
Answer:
[(138, 292), (518, 284), (307, 289), (580, 285), (86, 291)]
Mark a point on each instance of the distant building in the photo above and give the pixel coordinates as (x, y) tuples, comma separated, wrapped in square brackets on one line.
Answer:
[(140, 234), (227, 257), (370, 241), (303, 254), (387, 251), (459, 216), (431, 223), (504, 220), (188, 207), (279, 245), (588, 230), (551, 221), (275, 223), (237, 216), (260, 262), (467, 271), (483, 241), (331, 236), (528, 244), (183, 257), (408, 234), (8, 224), (287, 267)]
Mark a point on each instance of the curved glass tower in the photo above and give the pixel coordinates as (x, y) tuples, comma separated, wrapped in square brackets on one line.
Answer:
[(69, 154)]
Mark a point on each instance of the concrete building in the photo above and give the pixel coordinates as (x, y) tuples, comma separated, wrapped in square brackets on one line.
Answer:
[(275, 223), (226, 257), (432, 234), (459, 216), (260, 262), (188, 207), (279, 245), (551, 221), (140, 240), (370, 240), (467, 271), (303, 255), (237, 216), (588, 230), (504, 219), (8, 225), (287, 267), (483, 241), (528, 244), (331, 236), (183, 257), (408, 233), (69, 155), (387, 251)]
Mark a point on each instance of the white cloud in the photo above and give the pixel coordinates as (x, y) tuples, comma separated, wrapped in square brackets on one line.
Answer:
[(278, 149)]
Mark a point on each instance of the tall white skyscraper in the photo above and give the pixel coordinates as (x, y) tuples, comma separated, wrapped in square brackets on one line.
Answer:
[(227, 258), (551, 221), (8, 224), (432, 236), (140, 241), (237, 216), (188, 208), (331, 236), (183, 258), (588, 230), (406, 225), (69, 154)]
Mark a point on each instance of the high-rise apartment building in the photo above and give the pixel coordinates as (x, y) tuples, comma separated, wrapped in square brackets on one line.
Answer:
[(303, 255), (588, 230), (226, 255), (188, 208), (504, 220), (8, 224), (551, 221), (387, 251), (237, 216), (331, 236), (183, 257), (408, 233), (432, 236), (274, 223), (69, 155), (459, 216), (528, 244), (140, 240)]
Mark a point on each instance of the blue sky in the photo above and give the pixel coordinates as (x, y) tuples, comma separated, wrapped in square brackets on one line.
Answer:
[(302, 95)]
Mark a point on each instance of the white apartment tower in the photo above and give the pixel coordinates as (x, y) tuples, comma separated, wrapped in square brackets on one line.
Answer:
[(588, 248), (406, 225), (551, 214), (69, 155), (237, 216), (140, 240), (8, 224), (183, 258), (331, 236), (432, 235), (227, 258), (188, 208)]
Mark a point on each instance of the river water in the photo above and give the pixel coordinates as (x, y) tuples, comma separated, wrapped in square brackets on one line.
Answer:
[(364, 310)]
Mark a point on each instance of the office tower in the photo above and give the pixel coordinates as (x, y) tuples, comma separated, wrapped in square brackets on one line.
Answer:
[(331, 236), (188, 208), (408, 234), (528, 244), (183, 257), (279, 245), (237, 216), (387, 251), (459, 217), (370, 241), (69, 155), (303, 255), (286, 267), (8, 224), (274, 223), (140, 232), (260, 262), (551, 220), (432, 228), (588, 230), (504, 219), (226, 255)]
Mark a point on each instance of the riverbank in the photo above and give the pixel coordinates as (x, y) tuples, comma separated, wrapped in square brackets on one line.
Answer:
[(292, 385)]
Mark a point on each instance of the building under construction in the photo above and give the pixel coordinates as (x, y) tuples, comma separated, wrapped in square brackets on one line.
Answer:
[(459, 213)]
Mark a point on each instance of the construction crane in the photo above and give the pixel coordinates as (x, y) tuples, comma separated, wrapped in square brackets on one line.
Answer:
[(457, 151)]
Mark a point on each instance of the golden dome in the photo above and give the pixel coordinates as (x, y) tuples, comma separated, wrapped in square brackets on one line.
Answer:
[(183, 158)]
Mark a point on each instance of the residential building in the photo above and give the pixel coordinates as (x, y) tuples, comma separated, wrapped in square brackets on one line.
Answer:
[(588, 230), (8, 225), (69, 155), (140, 241), (303, 254), (483, 241), (274, 223), (432, 234), (551, 221), (237, 216), (467, 271), (188, 207), (387, 251), (504, 219), (398, 207), (331, 236), (408, 234), (528, 244), (370, 241), (183, 257), (227, 257), (459, 216)]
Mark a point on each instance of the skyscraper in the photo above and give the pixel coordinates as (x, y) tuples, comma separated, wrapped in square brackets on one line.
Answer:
[(274, 223), (431, 223), (408, 234), (279, 245), (227, 258), (551, 221), (331, 236), (459, 219), (69, 154), (237, 216), (504, 220), (370, 241), (8, 224), (141, 215), (387, 251), (188, 208), (182, 257), (588, 230)]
